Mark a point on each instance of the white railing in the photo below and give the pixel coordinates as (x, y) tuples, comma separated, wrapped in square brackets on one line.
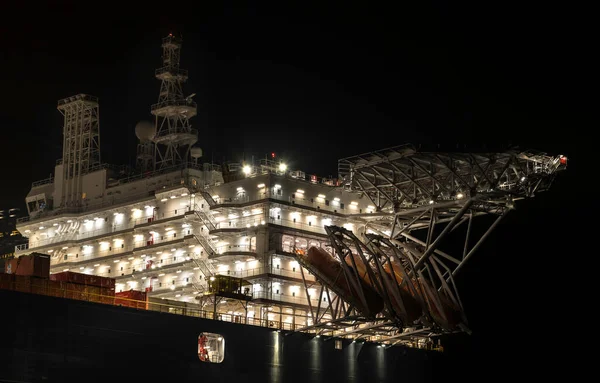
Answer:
[(205, 218), (285, 298), (236, 248), (298, 199), (98, 255), (107, 229), (147, 265), (298, 225), (206, 268), (243, 222), (205, 243), (43, 182), (248, 273), (111, 200)]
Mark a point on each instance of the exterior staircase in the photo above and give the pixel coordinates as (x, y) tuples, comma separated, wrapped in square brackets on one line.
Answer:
[(205, 267), (209, 199), (203, 241), (205, 219)]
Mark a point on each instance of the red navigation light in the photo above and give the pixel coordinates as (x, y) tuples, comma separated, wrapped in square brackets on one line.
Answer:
[(563, 160), (273, 155)]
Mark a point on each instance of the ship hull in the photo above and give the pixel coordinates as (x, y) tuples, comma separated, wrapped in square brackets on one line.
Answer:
[(60, 340)]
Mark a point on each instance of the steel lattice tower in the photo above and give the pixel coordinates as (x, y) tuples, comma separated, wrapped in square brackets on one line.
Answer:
[(81, 143), (174, 134)]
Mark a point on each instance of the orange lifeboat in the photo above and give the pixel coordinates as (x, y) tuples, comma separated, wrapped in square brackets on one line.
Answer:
[(325, 263), (361, 268), (451, 312), (412, 307), (400, 277)]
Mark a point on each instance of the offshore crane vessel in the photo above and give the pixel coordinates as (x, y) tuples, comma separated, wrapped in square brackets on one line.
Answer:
[(270, 274)]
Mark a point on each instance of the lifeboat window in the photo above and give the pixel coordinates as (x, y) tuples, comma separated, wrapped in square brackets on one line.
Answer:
[(211, 347)]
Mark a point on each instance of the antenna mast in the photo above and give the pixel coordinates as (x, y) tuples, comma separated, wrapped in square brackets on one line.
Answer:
[(174, 134)]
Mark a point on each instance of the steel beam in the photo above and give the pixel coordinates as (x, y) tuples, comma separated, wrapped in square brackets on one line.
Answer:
[(441, 236), (481, 240)]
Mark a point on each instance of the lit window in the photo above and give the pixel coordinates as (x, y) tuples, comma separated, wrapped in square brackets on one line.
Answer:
[(338, 344), (211, 347)]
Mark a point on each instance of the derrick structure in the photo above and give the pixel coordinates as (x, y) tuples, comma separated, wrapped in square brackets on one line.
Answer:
[(418, 199), (174, 133), (81, 144)]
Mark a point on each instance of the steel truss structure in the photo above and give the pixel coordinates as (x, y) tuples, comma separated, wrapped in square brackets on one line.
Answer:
[(81, 142), (145, 156), (419, 199), (174, 133)]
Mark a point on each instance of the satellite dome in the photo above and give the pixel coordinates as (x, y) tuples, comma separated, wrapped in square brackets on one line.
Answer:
[(145, 131), (196, 152)]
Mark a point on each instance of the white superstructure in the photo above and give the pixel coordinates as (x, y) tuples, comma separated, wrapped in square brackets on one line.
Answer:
[(169, 232), (174, 222)]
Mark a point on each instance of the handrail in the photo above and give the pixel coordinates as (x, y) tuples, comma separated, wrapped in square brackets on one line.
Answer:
[(232, 248), (171, 69), (107, 230), (244, 221), (48, 180), (209, 199), (205, 267), (146, 265), (168, 103), (267, 270), (210, 250), (101, 256), (205, 218), (81, 96), (298, 225), (111, 200), (284, 298)]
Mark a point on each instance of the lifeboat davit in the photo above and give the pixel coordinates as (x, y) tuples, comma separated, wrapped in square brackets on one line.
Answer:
[(326, 264), (450, 311), (412, 307)]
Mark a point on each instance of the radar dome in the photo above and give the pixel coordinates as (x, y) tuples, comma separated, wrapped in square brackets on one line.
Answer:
[(145, 131), (196, 152)]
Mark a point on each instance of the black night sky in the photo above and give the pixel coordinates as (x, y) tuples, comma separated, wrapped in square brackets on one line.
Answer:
[(315, 83)]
